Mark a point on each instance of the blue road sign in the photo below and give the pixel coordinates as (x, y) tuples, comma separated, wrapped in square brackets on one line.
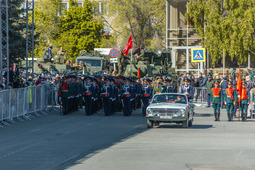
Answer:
[(198, 54)]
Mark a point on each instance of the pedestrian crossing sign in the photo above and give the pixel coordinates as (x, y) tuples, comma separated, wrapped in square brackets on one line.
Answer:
[(198, 54)]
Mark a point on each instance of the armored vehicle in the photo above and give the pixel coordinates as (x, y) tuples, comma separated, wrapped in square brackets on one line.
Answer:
[(91, 62), (150, 62)]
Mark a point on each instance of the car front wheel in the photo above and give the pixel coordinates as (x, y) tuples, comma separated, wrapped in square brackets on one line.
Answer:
[(185, 124), (150, 123), (191, 122)]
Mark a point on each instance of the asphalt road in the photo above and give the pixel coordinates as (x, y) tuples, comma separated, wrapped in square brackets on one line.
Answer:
[(78, 142)]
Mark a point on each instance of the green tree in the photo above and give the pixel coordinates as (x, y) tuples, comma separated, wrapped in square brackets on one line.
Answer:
[(78, 30), (224, 24), (17, 40), (145, 20), (47, 14)]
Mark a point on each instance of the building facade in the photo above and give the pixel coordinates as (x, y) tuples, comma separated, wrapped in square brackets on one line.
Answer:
[(181, 37)]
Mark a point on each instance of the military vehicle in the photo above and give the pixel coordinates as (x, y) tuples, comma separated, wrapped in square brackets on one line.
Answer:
[(151, 63), (94, 61), (90, 62)]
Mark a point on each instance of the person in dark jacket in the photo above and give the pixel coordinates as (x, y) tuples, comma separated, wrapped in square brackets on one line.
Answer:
[(199, 83)]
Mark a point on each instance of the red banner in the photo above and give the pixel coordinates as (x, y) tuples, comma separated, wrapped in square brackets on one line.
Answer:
[(128, 46), (239, 84)]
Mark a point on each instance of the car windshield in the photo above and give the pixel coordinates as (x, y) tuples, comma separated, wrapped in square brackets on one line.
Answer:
[(169, 98)]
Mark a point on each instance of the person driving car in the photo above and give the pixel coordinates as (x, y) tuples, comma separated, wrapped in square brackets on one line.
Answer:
[(178, 99)]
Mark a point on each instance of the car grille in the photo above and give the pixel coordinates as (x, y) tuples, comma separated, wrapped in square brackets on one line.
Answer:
[(164, 111)]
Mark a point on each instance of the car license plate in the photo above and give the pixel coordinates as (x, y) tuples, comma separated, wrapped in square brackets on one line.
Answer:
[(165, 117)]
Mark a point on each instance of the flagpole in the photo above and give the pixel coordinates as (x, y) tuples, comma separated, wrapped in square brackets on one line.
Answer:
[(239, 110)]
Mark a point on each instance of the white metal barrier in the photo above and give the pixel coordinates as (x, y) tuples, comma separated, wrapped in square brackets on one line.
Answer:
[(200, 95), (18, 103)]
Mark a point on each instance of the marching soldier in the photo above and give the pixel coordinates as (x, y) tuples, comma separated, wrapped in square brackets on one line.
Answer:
[(107, 95), (119, 86), (114, 95), (96, 95), (138, 93), (63, 96), (230, 99), (187, 89), (216, 99), (244, 101), (146, 94), (88, 96), (127, 97), (224, 86)]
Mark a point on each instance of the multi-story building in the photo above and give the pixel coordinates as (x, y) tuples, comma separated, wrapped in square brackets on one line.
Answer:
[(181, 37)]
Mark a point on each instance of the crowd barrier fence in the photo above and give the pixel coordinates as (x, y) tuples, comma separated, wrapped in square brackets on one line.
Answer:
[(23, 102)]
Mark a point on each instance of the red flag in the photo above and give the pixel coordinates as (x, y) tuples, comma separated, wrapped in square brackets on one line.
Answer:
[(128, 46), (239, 84)]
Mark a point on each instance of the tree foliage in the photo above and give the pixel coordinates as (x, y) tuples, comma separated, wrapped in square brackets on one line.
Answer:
[(78, 30), (145, 20), (46, 25), (16, 35), (224, 24)]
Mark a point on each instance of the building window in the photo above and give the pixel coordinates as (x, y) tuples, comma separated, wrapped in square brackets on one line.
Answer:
[(64, 6), (99, 8)]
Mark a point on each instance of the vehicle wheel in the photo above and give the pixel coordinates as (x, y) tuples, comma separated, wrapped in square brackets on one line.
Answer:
[(156, 124), (185, 124), (191, 122), (150, 123)]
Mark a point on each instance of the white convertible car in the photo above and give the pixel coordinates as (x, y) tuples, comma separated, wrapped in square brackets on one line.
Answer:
[(170, 108)]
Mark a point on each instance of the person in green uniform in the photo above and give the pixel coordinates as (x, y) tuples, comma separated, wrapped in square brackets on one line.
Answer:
[(233, 73), (230, 99), (244, 101), (216, 99)]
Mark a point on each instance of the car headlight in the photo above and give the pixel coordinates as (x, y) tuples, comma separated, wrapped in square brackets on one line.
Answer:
[(148, 112), (182, 112)]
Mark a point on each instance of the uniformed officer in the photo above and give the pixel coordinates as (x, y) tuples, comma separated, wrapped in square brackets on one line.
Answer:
[(88, 95), (233, 73), (127, 97), (106, 93), (146, 94), (114, 95), (187, 89), (138, 93), (216, 99), (63, 96), (230, 99), (244, 101), (169, 87), (156, 87), (119, 86), (96, 95), (224, 86)]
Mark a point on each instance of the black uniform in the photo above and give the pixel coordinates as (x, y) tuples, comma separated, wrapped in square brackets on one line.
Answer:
[(146, 95)]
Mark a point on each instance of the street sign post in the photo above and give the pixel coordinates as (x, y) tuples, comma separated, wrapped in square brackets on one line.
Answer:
[(113, 53), (198, 55)]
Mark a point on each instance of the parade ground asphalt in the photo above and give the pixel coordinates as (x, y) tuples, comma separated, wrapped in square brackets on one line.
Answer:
[(97, 142)]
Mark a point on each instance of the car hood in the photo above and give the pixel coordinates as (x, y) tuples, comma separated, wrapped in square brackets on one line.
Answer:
[(167, 105)]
